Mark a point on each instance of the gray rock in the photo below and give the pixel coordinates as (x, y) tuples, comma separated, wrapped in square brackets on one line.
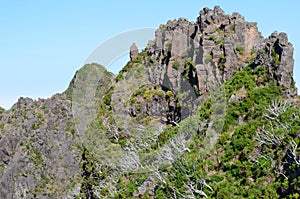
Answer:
[(228, 38), (134, 52), (276, 54), (33, 154)]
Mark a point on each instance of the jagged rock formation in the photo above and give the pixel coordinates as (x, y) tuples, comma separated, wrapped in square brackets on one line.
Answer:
[(276, 54), (194, 58), (218, 45), (38, 157), (43, 156)]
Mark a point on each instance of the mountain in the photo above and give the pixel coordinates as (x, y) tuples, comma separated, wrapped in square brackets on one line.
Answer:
[(209, 109)]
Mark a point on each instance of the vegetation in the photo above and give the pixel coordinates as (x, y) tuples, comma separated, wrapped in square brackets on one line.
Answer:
[(1, 169), (255, 154), (275, 58), (232, 27), (220, 41), (208, 58), (176, 65), (212, 37), (166, 134), (240, 49)]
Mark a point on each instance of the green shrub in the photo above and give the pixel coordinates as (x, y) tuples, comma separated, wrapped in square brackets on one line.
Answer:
[(275, 58), (138, 59), (208, 58), (2, 110), (220, 41), (169, 93), (232, 27), (148, 94), (160, 93), (176, 65), (212, 37), (185, 55), (1, 169), (240, 49)]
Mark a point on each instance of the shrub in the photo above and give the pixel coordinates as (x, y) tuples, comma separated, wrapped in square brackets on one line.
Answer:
[(240, 49), (176, 65), (169, 93), (160, 93), (185, 55), (148, 94), (138, 59), (220, 41), (208, 58), (212, 37), (275, 58), (232, 27)]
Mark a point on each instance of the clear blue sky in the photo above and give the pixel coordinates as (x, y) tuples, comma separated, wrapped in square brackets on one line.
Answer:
[(43, 43)]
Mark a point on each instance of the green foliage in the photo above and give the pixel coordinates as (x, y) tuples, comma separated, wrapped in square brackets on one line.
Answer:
[(275, 58), (240, 49), (176, 65), (232, 27), (139, 60), (1, 169), (212, 37), (90, 174), (168, 133), (208, 58), (2, 110), (107, 96), (148, 94), (197, 91), (185, 55), (160, 93), (231, 167), (1, 128), (220, 41), (222, 62)]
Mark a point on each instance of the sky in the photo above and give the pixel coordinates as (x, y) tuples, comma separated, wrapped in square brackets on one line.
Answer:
[(43, 43)]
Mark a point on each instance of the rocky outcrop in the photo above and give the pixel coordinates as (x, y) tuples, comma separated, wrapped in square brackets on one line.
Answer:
[(40, 144), (192, 59), (134, 51), (164, 84), (216, 44), (276, 54), (37, 150)]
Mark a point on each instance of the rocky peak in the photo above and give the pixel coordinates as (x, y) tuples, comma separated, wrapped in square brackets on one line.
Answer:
[(36, 143), (217, 45), (276, 54), (192, 59)]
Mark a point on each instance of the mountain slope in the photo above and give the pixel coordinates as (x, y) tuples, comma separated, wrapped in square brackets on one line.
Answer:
[(208, 109)]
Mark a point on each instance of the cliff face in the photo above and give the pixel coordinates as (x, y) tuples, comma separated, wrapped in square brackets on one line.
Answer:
[(38, 157), (216, 42), (276, 54), (57, 148), (193, 59), (218, 45)]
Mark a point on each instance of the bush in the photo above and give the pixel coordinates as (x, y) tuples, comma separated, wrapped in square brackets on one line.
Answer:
[(240, 49), (220, 41), (212, 37), (232, 27), (160, 93), (275, 58), (176, 65), (208, 58)]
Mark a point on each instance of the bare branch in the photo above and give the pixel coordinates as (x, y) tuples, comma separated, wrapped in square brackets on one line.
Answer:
[(292, 152)]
